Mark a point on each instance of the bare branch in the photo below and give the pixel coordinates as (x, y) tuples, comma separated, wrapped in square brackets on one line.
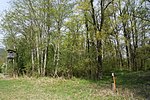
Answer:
[(141, 18), (108, 5)]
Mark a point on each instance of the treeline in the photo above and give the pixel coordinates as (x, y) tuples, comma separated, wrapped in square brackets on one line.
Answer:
[(82, 38)]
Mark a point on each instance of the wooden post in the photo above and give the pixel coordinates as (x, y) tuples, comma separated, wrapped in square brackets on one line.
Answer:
[(114, 83)]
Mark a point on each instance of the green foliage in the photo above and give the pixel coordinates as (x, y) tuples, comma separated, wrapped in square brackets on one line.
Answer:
[(68, 38)]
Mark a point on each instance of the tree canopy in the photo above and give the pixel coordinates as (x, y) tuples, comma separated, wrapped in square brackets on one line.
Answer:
[(82, 38)]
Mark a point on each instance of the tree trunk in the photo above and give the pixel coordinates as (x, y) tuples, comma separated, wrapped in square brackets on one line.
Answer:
[(45, 61), (38, 55), (33, 64), (88, 46), (98, 29), (57, 50), (119, 52), (126, 35), (56, 58)]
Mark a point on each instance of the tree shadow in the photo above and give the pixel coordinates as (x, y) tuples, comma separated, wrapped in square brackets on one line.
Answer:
[(138, 83)]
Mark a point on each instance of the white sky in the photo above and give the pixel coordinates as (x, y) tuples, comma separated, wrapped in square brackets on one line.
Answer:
[(4, 5)]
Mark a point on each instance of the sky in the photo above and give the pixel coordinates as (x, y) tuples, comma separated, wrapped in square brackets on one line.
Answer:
[(4, 5)]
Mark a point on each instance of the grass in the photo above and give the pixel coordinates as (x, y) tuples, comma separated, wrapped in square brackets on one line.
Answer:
[(45, 88)]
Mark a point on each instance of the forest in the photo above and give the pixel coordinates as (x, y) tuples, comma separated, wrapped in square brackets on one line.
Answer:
[(77, 38), (75, 50)]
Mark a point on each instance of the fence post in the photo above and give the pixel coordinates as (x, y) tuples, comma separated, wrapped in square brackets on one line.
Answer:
[(114, 83)]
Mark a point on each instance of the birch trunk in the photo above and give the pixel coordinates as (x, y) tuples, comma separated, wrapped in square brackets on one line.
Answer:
[(32, 56), (38, 55)]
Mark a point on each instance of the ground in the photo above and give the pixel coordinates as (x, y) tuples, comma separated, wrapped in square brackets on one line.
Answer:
[(130, 86)]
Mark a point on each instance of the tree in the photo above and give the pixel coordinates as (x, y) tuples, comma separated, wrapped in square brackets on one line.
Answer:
[(78, 38)]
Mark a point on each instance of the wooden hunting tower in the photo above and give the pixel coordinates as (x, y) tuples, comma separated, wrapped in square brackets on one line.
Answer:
[(11, 54)]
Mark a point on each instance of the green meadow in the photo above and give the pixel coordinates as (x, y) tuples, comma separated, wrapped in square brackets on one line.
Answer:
[(130, 86)]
